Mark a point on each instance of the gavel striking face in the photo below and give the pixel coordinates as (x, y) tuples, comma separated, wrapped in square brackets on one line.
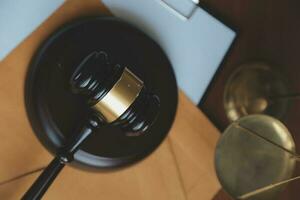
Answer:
[(116, 96)]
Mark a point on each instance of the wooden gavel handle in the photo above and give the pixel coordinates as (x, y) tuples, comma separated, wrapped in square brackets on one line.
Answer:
[(65, 155)]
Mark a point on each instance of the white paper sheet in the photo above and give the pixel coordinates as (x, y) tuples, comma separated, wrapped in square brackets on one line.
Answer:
[(195, 46), (19, 18)]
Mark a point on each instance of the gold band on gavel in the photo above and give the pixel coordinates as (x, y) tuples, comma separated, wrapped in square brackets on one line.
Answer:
[(120, 97)]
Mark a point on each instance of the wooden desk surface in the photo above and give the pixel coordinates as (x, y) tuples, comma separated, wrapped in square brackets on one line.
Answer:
[(181, 168)]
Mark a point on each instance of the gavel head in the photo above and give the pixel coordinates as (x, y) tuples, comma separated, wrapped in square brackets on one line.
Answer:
[(116, 94)]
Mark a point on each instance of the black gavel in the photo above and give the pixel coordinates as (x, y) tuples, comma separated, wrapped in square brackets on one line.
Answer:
[(116, 96)]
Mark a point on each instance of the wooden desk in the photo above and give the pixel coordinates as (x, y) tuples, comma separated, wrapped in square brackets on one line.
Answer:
[(181, 168)]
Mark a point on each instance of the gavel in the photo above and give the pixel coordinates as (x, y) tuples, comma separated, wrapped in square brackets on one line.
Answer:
[(115, 95)]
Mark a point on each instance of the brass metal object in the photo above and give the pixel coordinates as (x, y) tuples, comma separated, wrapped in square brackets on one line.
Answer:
[(251, 90), (120, 97), (255, 158)]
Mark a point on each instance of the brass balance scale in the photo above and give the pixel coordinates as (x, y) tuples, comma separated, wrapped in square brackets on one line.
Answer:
[(256, 155)]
